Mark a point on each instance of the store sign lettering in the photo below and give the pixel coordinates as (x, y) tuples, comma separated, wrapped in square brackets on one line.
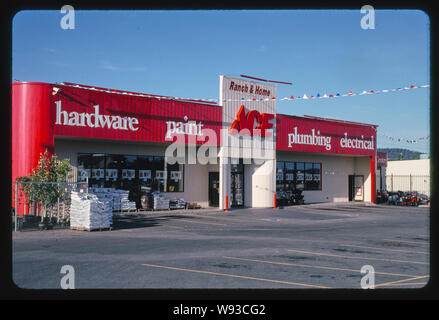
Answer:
[(247, 121), (94, 120), (190, 128), (310, 139), (319, 140), (356, 143), (249, 89)]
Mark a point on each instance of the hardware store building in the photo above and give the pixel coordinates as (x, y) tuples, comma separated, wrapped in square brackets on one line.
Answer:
[(125, 140)]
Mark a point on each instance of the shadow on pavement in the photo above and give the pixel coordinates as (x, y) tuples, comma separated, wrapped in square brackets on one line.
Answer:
[(142, 221)]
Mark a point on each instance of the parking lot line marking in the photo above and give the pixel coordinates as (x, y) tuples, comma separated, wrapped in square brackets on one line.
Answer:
[(353, 257), (382, 249), (399, 281), (407, 284), (412, 242), (235, 276), (318, 267)]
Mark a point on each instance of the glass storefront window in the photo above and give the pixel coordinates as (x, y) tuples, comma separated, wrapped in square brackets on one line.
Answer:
[(92, 165), (317, 176), (158, 172), (280, 165), (237, 184), (300, 175), (144, 164), (129, 179), (289, 176), (175, 177), (130, 172), (308, 176), (84, 166), (113, 171)]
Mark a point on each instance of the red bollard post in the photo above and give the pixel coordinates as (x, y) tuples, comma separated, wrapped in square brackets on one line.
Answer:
[(227, 203), (274, 201)]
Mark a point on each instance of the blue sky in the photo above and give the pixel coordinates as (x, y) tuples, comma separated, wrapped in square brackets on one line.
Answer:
[(182, 54)]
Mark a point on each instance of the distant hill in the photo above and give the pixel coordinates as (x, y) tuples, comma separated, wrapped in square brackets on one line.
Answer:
[(400, 154)]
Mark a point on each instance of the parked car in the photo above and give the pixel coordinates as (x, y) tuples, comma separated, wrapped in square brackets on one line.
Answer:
[(392, 198), (415, 199), (289, 198), (382, 197), (424, 199), (297, 197)]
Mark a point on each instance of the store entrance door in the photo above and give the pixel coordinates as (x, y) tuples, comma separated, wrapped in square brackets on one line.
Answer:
[(213, 189), (237, 185), (356, 188)]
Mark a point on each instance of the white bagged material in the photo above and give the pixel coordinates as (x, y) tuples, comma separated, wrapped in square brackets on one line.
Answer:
[(87, 211), (160, 202), (117, 198), (177, 204)]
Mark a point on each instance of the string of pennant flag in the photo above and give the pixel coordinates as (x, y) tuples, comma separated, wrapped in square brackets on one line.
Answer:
[(403, 139), (336, 95), (350, 93), (290, 98), (317, 96)]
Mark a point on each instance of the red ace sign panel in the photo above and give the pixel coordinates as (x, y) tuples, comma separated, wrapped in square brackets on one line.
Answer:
[(245, 123)]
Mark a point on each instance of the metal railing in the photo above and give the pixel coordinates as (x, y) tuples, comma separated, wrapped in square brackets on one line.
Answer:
[(25, 205), (408, 183)]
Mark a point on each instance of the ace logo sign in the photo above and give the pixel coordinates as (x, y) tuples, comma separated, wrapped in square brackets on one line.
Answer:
[(253, 123)]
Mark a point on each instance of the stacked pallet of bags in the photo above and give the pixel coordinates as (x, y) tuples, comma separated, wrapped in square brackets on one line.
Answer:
[(105, 195), (88, 212), (160, 202), (116, 200), (119, 198), (125, 204), (177, 204)]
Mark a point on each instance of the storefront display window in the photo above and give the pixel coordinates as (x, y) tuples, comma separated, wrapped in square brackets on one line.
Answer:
[(92, 165), (289, 176), (280, 167), (298, 175), (175, 177), (130, 172), (317, 176), (144, 164)]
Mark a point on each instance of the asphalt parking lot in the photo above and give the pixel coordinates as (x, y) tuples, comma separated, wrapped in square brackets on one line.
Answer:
[(310, 246)]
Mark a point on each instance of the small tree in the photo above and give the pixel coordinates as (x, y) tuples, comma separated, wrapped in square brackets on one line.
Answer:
[(49, 169)]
